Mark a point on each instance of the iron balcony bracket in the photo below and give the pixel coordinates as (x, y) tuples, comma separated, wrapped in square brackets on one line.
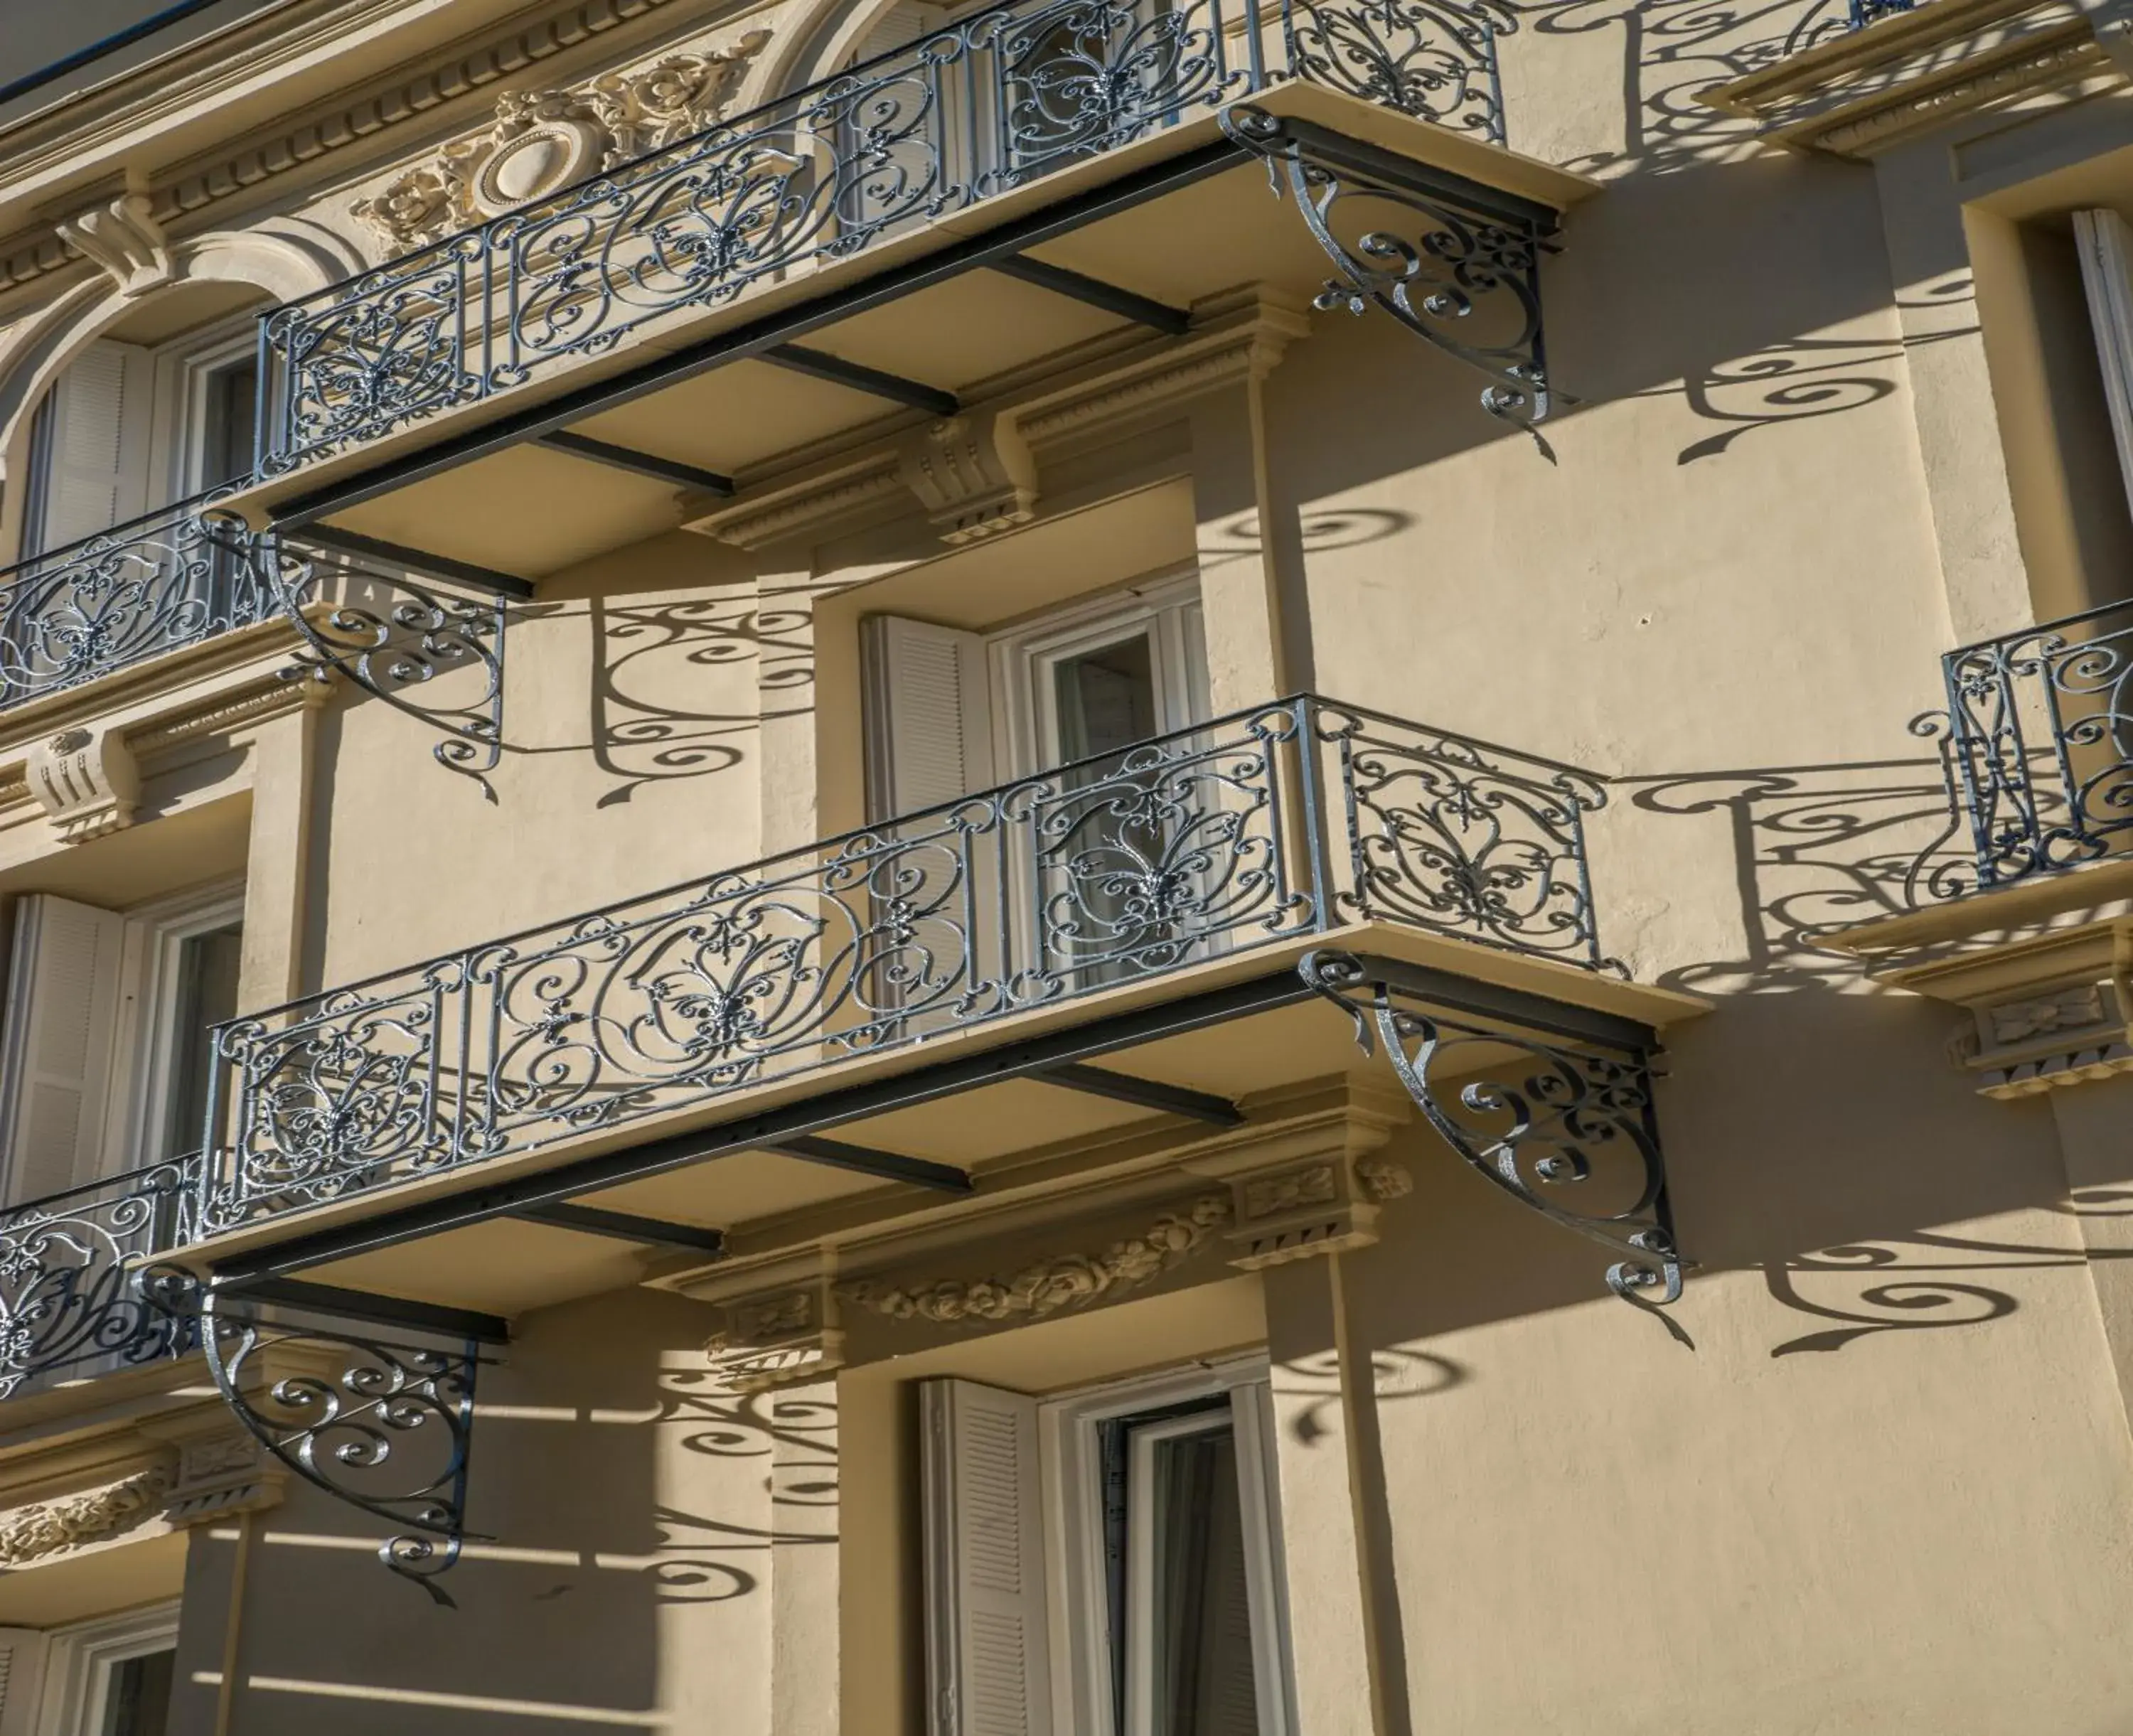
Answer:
[(388, 1433), (1546, 1121), (391, 635), (1468, 281)]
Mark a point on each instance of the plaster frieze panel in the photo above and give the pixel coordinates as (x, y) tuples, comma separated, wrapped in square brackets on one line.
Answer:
[(543, 140), (400, 103), (1071, 1278), (45, 1528)]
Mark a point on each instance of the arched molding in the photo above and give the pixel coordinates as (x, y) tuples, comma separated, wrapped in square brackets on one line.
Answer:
[(283, 258), (817, 41)]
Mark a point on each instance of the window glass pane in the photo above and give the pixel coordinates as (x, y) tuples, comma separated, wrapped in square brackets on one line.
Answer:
[(231, 413), (1105, 698), (207, 995), (137, 1700), (1194, 1631)]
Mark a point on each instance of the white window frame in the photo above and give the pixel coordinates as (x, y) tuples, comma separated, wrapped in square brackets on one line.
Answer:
[(142, 1091), (184, 368), (81, 1660), (1071, 1469), (1165, 608)]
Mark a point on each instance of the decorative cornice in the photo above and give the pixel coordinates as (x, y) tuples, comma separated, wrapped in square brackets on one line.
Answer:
[(388, 107), (1907, 74), (94, 1515), (267, 699), (1072, 1280)]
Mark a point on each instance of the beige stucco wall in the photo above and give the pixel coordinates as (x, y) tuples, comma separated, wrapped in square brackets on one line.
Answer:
[(1886, 1486)]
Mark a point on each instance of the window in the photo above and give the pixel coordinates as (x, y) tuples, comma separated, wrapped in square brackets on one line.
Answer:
[(1106, 1564), (950, 712), (126, 430), (106, 1064), (109, 1677)]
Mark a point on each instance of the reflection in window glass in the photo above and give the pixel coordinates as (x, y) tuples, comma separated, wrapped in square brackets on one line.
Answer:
[(137, 1699), (1199, 1619), (206, 996), (1105, 698)]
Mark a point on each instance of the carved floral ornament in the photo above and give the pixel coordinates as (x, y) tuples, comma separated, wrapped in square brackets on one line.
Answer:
[(50, 1527), (542, 140), (790, 1332)]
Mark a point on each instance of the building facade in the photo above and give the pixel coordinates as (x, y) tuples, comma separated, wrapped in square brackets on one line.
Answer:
[(1231, 866)]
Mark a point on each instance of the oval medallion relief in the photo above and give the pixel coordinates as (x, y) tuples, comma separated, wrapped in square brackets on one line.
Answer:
[(548, 155)]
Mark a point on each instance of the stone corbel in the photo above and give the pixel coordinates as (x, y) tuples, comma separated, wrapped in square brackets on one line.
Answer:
[(1298, 1211), (87, 781), (124, 237), (219, 1470), (786, 1335), (973, 474), (2041, 1013)]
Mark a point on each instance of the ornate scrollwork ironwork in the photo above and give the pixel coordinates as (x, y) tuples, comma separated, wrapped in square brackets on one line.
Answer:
[(1438, 62), (66, 1300), (2037, 746), (1468, 282), (392, 636), (965, 113), (170, 579), (1183, 849), (1551, 1125), (1472, 840), (388, 1434)]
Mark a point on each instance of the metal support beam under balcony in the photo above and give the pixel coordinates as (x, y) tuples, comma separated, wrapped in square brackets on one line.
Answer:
[(637, 464), (334, 540), (1075, 286), (1147, 1094), (592, 1220), (372, 1309), (875, 382)]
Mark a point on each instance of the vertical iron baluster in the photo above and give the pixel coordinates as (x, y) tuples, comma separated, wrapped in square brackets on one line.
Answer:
[(1304, 711), (2049, 661), (1964, 761)]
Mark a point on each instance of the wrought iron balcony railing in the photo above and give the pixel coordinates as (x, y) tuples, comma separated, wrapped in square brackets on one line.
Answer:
[(171, 578), (2039, 746), (969, 113), (1284, 821), (67, 1305)]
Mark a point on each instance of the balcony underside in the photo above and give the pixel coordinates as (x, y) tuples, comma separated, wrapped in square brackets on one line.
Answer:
[(1241, 1032), (1172, 219)]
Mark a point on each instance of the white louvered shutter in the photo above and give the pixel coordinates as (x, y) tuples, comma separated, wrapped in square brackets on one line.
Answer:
[(56, 1051), (986, 1668), (22, 1680), (2106, 247), (929, 733), (96, 450)]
